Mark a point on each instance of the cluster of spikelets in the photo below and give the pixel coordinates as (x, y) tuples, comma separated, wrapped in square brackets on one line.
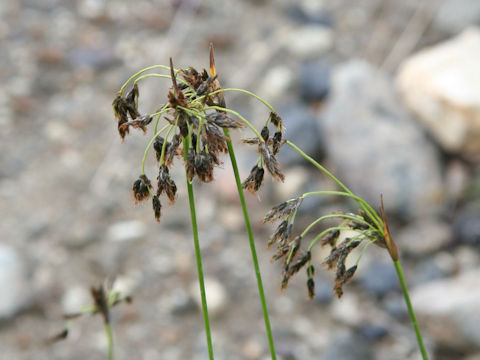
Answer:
[(196, 130), (365, 231)]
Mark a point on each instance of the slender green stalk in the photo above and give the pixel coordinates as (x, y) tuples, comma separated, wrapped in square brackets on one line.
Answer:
[(198, 257), (108, 332), (403, 284), (252, 246)]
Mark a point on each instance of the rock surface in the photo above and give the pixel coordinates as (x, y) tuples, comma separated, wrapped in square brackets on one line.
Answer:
[(375, 147), (450, 309), (441, 85)]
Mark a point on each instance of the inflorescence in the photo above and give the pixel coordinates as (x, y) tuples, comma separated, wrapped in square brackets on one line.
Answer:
[(197, 124), (368, 228)]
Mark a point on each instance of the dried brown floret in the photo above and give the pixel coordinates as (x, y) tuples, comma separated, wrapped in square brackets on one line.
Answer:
[(171, 150), (282, 210), (342, 279), (295, 267), (277, 142), (276, 119), (192, 77), (311, 288), (157, 207), (330, 238), (204, 166), (140, 122), (222, 120), (132, 96), (265, 133), (254, 181), (100, 300), (251, 141), (158, 145), (215, 140), (140, 188), (279, 233), (166, 184), (271, 162)]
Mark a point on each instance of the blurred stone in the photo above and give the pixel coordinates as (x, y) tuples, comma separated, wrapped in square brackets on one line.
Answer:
[(423, 237), (75, 298), (450, 310), (302, 130), (309, 12), (217, 297), (441, 85), (376, 147), (126, 231), (373, 331), (379, 278), (454, 16), (276, 82), (347, 309), (309, 41), (314, 81), (348, 347), (466, 226), (14, 286)]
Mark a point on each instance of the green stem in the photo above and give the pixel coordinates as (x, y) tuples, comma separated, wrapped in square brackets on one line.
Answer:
[(403, 284), (141, 72), (108, 332), (198, 257), (252, 245)]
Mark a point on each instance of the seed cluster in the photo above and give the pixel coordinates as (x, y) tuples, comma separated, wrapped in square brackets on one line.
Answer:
[(197, 131), (289, 246)]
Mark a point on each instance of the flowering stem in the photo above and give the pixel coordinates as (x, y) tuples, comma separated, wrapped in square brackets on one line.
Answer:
[(252, 246), (198, 257), (108, 332), (403, 284)]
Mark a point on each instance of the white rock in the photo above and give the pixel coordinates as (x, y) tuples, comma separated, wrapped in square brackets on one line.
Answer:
[(14, 294), (216, 296), (441, 85), (75, 298), (450, 309), (126, 230), (310, 41)]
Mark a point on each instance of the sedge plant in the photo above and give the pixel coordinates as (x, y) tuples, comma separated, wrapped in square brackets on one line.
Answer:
[(197, 130)]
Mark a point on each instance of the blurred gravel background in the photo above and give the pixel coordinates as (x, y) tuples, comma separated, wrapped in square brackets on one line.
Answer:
[(340, 73)]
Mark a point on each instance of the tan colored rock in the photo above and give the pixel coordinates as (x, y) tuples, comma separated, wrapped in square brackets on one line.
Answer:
[(441, 85)]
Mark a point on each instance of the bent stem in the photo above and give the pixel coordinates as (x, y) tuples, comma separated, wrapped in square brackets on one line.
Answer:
[(403, 284), (198, 257), (108, 332), (252, 246)]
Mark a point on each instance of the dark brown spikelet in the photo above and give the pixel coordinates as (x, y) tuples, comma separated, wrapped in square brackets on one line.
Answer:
[(158, 145), (330, 238), (121, 113), (140, 122), (342, 279), (254, 181), (157, 207), (171, 150), (276, 120), (132, 96), (279, 233), (140, 188), (222, 120), (277, 142), (166, 184), (204, 166), (271, 162), (311, 288), (282, 210), (192, 77), (251, 141), (265, 133), (295, 267), (101, 303), (214, 138)]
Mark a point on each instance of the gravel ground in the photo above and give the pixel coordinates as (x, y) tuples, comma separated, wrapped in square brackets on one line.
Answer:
[(68, 219)]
